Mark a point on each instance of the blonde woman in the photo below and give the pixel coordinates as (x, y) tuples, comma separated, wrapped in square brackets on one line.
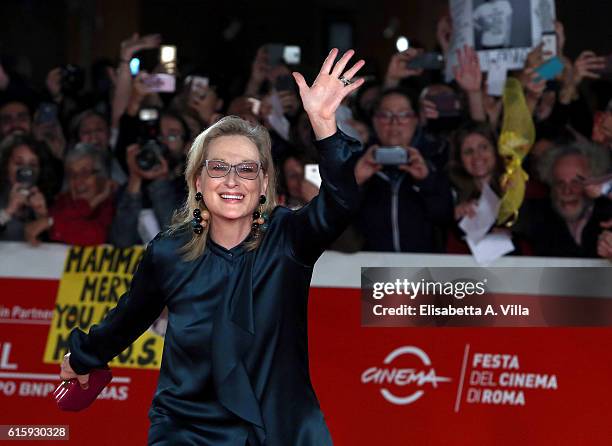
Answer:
[(234, 272)]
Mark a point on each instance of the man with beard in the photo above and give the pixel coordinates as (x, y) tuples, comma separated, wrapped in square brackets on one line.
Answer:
[(571, 225), (15, 117)]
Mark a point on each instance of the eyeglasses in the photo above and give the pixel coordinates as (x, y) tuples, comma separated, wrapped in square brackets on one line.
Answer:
[(247, 170), (386, 117), (82, 175)]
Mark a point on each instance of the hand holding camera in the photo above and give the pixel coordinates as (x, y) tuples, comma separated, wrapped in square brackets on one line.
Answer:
[(132, 45), (367, 166), (416, 166), (399, 68), (587, 66), (137, 174), (17, 199), (36, 200)]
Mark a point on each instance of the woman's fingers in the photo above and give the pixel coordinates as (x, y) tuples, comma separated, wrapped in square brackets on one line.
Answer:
[(352, 87), (354, 69), (339, 67), (329, 61), (301, 83)]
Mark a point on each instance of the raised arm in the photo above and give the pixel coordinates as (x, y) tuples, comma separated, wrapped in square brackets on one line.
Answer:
[(327, 92), (320, 222)]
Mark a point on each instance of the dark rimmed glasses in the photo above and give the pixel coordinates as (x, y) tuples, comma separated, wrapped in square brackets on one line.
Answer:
[(249, 170), (387, 117)]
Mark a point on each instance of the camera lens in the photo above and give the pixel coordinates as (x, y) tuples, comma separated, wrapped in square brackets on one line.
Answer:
[(148, 156)]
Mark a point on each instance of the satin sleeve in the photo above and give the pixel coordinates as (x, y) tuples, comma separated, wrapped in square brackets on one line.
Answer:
[(136, 310), (316, 225)]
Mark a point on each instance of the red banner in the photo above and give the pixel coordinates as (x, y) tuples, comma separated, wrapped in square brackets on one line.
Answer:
[(377, 386)]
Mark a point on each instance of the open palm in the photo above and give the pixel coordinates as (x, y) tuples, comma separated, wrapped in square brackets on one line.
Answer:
[(327, 91)]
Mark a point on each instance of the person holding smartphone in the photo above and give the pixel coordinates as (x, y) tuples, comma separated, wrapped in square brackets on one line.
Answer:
[(27, 184), (409, 198)]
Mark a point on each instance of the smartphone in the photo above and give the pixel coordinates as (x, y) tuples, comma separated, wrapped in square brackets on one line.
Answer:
[(160, 83), (197, 85), (550, 69), (167, 54), (134, 66), (312, 174), (549, 44), (47, 113), (426, 61), (447, 104), (391, 156), (26, 175), (292, 54), (279, 53)]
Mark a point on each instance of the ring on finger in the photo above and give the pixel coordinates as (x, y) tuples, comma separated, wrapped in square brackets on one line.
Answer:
[(346, 82)]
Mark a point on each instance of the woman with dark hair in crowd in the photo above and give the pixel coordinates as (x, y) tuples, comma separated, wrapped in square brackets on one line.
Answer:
[(234, 273), (403, 205), (27, 184), (474, 163)]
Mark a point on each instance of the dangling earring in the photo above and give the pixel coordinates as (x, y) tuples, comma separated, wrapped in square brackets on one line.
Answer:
[(260, 218), (200, 219)]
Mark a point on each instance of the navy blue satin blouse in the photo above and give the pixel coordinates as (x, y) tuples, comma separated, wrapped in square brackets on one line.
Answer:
[(235, 361)]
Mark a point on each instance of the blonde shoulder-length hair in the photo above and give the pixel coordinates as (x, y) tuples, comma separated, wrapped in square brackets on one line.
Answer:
[(228, 126)]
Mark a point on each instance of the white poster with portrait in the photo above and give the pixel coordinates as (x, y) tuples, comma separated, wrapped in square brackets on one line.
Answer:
[(502, 31)]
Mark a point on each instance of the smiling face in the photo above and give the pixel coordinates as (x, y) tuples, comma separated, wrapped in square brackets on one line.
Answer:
[(232, 197), (14, 118), (94, 130), (83, 180), (567, 189), (395, 121), (478, 156)]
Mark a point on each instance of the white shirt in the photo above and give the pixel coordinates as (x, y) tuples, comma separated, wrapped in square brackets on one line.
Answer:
[(494, 19)]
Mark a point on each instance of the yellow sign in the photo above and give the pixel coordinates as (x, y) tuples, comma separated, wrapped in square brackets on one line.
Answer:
[(93, 280)]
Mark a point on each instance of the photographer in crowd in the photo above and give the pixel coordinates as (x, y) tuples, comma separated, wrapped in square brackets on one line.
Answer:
[(405, 200), (27, 184)]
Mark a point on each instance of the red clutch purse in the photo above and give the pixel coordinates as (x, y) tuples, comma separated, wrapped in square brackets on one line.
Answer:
[(70, 396)]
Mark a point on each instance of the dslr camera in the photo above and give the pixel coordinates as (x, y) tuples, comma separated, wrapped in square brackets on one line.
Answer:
[(152, 150)]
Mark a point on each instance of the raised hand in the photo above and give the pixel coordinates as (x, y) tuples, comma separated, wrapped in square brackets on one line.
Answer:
[(586, 66), (132, 45), (327, 92), (398, 67), (467, 72), (366, 166)]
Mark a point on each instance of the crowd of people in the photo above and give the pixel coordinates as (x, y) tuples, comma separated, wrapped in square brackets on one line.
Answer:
[(107, 165)]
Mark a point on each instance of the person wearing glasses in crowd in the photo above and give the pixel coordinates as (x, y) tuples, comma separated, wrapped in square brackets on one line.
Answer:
[(403, 205), (82, 214), (234, 272)]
